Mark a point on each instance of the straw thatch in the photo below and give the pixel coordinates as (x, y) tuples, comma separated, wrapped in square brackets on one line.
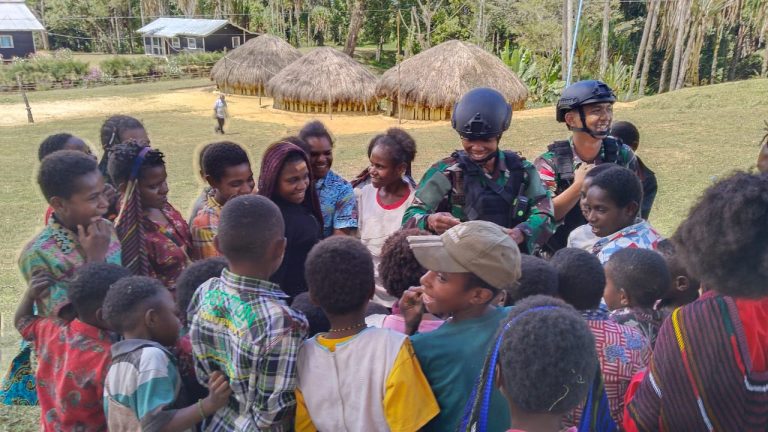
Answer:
[(246, 69), (324, 80), (431, 82)]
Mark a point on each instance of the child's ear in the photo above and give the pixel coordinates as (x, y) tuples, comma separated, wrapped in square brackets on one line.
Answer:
[(57, 203), (623, 298), (497, 379), (150, 318), (481, 296), (278, 248), (632, 209), (682, 283), (211, 181)]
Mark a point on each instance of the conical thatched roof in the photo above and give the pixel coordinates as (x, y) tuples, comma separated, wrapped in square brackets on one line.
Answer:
[(322, 76), (431, 82), (246, 69)]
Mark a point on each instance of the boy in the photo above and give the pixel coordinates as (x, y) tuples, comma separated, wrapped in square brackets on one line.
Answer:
[(337, 199), (612, 203), (228, 172), (76, 233), (241, 324), (539, 396), (73, 357), (537, 277), (683, 288), (635, 279), (583, 237), (468, 266), (373, 373), (621, 350), (629, 135), (143, 386)]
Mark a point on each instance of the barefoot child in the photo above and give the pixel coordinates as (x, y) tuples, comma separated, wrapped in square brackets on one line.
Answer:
[(154, 235), (228, 173), (381, 204), (285, 178), (468, 266), (73, 357), (239, 322), (373, 374)]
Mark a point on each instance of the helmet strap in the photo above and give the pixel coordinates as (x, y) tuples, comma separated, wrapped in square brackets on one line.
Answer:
[(585, 129)]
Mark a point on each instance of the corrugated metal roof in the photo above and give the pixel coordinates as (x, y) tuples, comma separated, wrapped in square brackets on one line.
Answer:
[(171, 27), (16, 16)]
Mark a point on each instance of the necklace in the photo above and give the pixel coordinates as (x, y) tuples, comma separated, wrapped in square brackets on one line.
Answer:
[(356, 326)]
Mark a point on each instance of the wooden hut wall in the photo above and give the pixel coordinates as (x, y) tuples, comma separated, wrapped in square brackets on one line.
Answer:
[(371, 107), (422, 112)]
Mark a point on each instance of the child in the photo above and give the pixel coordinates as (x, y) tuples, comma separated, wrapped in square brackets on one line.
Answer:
[(337, 200), (582, 237), (537, 277), (239, 322), (285, 178), (684, 288), (708, 370), (635, 279), (203, 197), (115, 130), (228, 173), (382, 203), (629, 135), (143, 386), (73, 357), (154, 235), (612, 203), (76, 233), (354, 377), (538, 396), (467, 268), (220, 113), (621, 350), (399, 271)]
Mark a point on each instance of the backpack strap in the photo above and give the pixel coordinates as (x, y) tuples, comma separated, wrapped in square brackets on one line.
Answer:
[(611, 148), (563, 161)]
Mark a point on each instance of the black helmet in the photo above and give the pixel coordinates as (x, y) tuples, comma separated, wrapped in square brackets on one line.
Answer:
[(481, 113), (583, 93)]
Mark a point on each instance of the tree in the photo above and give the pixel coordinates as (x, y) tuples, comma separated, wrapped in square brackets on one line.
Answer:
[(378, 24), (604, 38), (355, 24)]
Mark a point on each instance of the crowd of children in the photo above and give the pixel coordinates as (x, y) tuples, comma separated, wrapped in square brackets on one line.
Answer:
[(306, 302)]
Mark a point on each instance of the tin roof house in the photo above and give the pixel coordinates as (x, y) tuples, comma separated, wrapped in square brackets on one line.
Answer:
[(17, 27), (166, 36)]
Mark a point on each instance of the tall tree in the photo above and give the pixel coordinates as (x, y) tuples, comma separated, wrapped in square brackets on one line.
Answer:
[(604, 38), (355, 24), (642, 48)]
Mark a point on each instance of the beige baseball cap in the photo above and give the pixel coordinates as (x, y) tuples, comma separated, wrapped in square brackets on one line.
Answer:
[(478, 247)]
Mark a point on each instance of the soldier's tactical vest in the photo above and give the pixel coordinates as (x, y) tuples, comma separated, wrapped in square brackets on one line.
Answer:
[(563, 166)]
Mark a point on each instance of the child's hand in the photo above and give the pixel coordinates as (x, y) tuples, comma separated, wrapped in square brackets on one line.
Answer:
[(40, 282), (95, 239), (412, 308), (219, 392)]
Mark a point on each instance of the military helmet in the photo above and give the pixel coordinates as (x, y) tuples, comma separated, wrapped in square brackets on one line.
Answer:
[(583, 93), (481, 113)]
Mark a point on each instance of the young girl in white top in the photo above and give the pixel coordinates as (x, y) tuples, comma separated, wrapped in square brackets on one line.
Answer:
[(382, 202)]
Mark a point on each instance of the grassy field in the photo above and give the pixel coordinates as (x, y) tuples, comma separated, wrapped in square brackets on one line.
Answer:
[(689, 138)]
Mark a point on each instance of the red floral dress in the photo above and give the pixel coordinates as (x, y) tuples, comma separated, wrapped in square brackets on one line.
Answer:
[(167, 246)]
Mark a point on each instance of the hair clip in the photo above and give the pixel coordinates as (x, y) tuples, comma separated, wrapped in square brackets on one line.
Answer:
[(561, 397)]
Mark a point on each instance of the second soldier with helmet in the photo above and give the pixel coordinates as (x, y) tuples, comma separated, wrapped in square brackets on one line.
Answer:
[(482, 182)]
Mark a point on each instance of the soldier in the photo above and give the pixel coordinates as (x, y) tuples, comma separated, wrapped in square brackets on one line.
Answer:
[(482, 182), (586, 107)]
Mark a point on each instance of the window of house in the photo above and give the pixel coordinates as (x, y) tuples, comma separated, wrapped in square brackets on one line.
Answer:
[(176, 43), (6, 41), (235, 41), (191, 43)]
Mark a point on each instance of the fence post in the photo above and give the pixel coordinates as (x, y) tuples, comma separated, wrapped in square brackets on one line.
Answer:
[(26, 101)]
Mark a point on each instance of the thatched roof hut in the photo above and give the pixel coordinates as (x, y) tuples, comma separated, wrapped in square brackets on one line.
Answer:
[(245, 70), (431, 82), (324, 80)]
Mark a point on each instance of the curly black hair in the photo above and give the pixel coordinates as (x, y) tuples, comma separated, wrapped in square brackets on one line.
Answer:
[(641, 273), (627, 133), (192, 277), (90, 284), (336, 291), (580, 277), (676, 268), (200, 156), (127, 301), (315, 129), (124, 156), (318, 322), (398, 268), (399, 144), (724, 240), (238, 238), (537, 277), (621, 184), (221, 155), (53, 143), (60, 172), (547, 356)]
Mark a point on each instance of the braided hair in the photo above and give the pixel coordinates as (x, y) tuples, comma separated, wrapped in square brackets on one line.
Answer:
[(401, 147), (111, 135)]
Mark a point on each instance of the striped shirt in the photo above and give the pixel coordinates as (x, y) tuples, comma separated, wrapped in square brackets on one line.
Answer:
[(243, 327)]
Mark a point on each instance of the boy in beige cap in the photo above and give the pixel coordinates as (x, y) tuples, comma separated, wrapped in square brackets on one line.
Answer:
[(468, 266)]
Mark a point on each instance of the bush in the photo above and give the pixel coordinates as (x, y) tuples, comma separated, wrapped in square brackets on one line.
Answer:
[(127, 67), (45, 69)]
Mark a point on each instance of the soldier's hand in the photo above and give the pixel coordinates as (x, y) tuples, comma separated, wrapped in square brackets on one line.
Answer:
[(441, 222), (517, 235), (581, 173)]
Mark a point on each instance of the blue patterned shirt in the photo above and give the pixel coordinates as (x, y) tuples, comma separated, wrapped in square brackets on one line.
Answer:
[(337, 202), (641, 235)]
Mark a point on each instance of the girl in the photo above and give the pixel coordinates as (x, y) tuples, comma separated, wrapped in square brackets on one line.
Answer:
[(115, 130), (612, 205), (154, 235), (381, 204), (286, 179)]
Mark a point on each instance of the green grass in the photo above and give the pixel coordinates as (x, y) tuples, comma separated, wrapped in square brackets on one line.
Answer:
[(688, 137)]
